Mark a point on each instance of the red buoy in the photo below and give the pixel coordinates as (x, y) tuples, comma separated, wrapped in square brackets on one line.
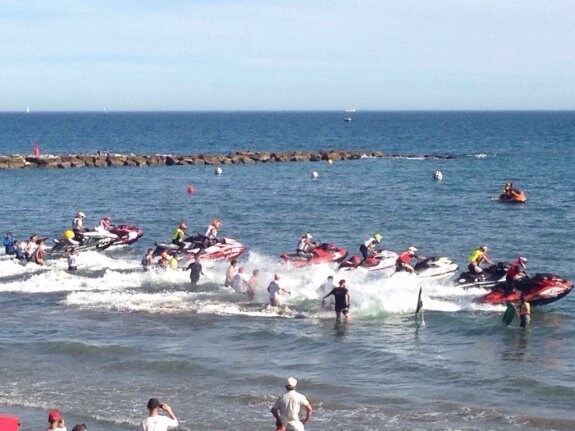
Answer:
[(190, 189)]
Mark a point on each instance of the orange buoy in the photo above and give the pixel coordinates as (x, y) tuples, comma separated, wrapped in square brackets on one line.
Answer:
[(190, 189)]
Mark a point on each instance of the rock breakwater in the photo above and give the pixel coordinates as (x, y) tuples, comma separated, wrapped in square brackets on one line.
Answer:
[(62, 161)]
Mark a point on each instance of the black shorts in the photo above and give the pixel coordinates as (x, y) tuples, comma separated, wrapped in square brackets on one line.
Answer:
[(343, 310)]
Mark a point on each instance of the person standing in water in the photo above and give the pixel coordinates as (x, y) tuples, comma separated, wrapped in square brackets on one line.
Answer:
[(230, 272), (253, 284), (342, 300), (72, 259), (524, 312), (274, 289), (195, 268)]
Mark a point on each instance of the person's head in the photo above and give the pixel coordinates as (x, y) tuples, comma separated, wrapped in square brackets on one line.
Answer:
[(81, 215), (330, 277), (291, 383), (54, 416), (183, 226), (150, 250), (40, 241), (73, 250), (153, 404), (33, 237), (522, 261), (276, 277), (9, 234), (107, 219), (341, 283), (216, 223), (165, 255), (255, 272), (80, 427), (484, 248), (412, 250), (308, 236), (377, 237), (241, 269), (234, 262)]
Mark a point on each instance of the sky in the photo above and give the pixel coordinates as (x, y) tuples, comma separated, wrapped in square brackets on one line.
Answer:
[(196, 55)]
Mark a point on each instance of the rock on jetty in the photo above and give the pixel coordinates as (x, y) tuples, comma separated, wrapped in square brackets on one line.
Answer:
[(233, 158)]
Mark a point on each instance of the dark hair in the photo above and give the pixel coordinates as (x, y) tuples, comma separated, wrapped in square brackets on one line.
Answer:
[(80, 427), (153, 403)]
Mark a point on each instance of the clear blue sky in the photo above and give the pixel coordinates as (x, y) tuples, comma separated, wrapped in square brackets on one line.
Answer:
[(66, 55)]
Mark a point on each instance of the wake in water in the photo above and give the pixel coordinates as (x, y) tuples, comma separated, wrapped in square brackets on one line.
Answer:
[(117, 283)]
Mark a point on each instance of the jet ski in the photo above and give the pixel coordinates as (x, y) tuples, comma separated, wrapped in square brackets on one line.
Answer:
[(126, 234), (381, 260), (515, 196), (222, 249), (321, 254), (436, 268), (92, 241), (9, 423), (539, 289), (490, 277)]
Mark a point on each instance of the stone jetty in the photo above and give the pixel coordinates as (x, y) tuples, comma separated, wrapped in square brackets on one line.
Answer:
[(104, 159)]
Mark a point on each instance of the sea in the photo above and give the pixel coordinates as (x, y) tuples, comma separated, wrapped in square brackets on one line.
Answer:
[(98, 343)]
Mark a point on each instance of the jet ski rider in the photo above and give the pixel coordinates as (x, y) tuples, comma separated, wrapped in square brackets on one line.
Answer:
[(306, 245), (476, 258), (403, 261), (212, 233), (179, 234), (78, 226), (516, 273), (367, 249)]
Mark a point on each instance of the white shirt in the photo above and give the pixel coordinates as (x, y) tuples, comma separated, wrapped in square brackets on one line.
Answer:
[(77, 223), (369, 242), (240, 282), (289, 406), (211, 232), (158, 423), (326, 287)]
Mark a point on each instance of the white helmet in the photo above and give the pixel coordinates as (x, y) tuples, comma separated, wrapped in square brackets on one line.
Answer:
[(81, 214), (308, 236), (523, 261), (412, 248)]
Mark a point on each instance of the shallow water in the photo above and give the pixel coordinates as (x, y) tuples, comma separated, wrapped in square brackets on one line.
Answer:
[(97, 344)]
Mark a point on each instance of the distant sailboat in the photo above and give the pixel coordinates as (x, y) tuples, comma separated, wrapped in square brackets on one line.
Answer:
[(347, 119), (350, 110)]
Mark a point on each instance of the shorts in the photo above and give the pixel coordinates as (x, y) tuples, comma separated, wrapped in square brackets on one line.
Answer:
[(344, 310), (72, 268)]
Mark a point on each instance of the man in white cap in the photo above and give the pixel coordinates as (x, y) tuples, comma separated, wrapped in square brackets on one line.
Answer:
[(403, 262), (306, 245), (287, 407)]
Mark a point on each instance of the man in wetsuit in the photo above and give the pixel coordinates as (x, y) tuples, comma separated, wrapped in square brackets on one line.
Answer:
[(342, 300)]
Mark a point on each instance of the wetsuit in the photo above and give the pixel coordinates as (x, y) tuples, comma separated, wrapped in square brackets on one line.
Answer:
[(195, 272)]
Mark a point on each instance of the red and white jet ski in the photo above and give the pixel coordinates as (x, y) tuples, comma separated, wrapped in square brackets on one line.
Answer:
[(323, 253), (126, 234), (381, 260)]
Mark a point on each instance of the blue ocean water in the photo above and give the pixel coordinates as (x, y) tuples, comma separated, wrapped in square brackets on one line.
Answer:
[(99, 343)]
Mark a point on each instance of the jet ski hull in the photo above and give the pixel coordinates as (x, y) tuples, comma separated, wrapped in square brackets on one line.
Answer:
[(489, 278), (381, 261), (516, 196), (538, 290), (126, 234), (324, 253), (223, 249), (92, 241), (435, 268)]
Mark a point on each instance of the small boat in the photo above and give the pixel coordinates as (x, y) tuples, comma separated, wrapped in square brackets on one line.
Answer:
[(347, 119)]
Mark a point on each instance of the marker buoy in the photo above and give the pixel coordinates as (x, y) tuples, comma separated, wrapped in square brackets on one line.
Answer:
[(218, 171), (190, 189), (329, 161), (314, 174)]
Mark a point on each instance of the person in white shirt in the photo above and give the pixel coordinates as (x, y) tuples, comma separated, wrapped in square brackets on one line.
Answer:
[(324, 289), (212, 232), (156, 422), (240, 281), (306, 245), (287, 407)]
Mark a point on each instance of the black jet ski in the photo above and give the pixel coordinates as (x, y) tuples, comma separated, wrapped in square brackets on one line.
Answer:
[(490, 277), (91, 241)]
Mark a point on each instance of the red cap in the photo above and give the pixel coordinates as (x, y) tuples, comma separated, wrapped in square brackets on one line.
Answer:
[(54, 415)]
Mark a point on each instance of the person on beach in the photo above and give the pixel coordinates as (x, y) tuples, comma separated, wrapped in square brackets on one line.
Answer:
[(240, 281), (72, 259), (286, 409), (230, 272), (524, 312), (156, 422), (56, 421), (367, 249), (39, 252), (342, 300), (148, 259), (274, 289), (253, 284), (476, 258), (9, 244), (195, 268)]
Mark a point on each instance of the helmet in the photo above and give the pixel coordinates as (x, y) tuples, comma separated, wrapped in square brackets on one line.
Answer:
[(216, 222), (81, 214), (377, 237), (183, 226), (522, 260), (484, 248), (412, 248), (107, 218), (308, 236)]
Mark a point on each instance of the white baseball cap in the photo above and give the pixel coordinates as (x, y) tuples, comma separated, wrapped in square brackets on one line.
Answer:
[(292, 382)]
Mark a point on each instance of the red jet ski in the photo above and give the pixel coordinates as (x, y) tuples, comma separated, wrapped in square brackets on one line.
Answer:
[(223, 249), (514, 196), (321, 254), (382, 260), (540, 289), (9, 423), (127, 234)]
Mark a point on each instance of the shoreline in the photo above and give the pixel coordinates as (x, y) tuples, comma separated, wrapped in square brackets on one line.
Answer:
[(105, 159)]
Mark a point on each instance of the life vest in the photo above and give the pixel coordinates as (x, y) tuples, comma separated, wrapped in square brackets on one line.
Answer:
[(178, 234), (476, 256), (514, 270), (404, 257)]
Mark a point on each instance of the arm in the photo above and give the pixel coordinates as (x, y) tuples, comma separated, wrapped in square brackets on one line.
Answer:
[(308, 412), (165, 407)]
